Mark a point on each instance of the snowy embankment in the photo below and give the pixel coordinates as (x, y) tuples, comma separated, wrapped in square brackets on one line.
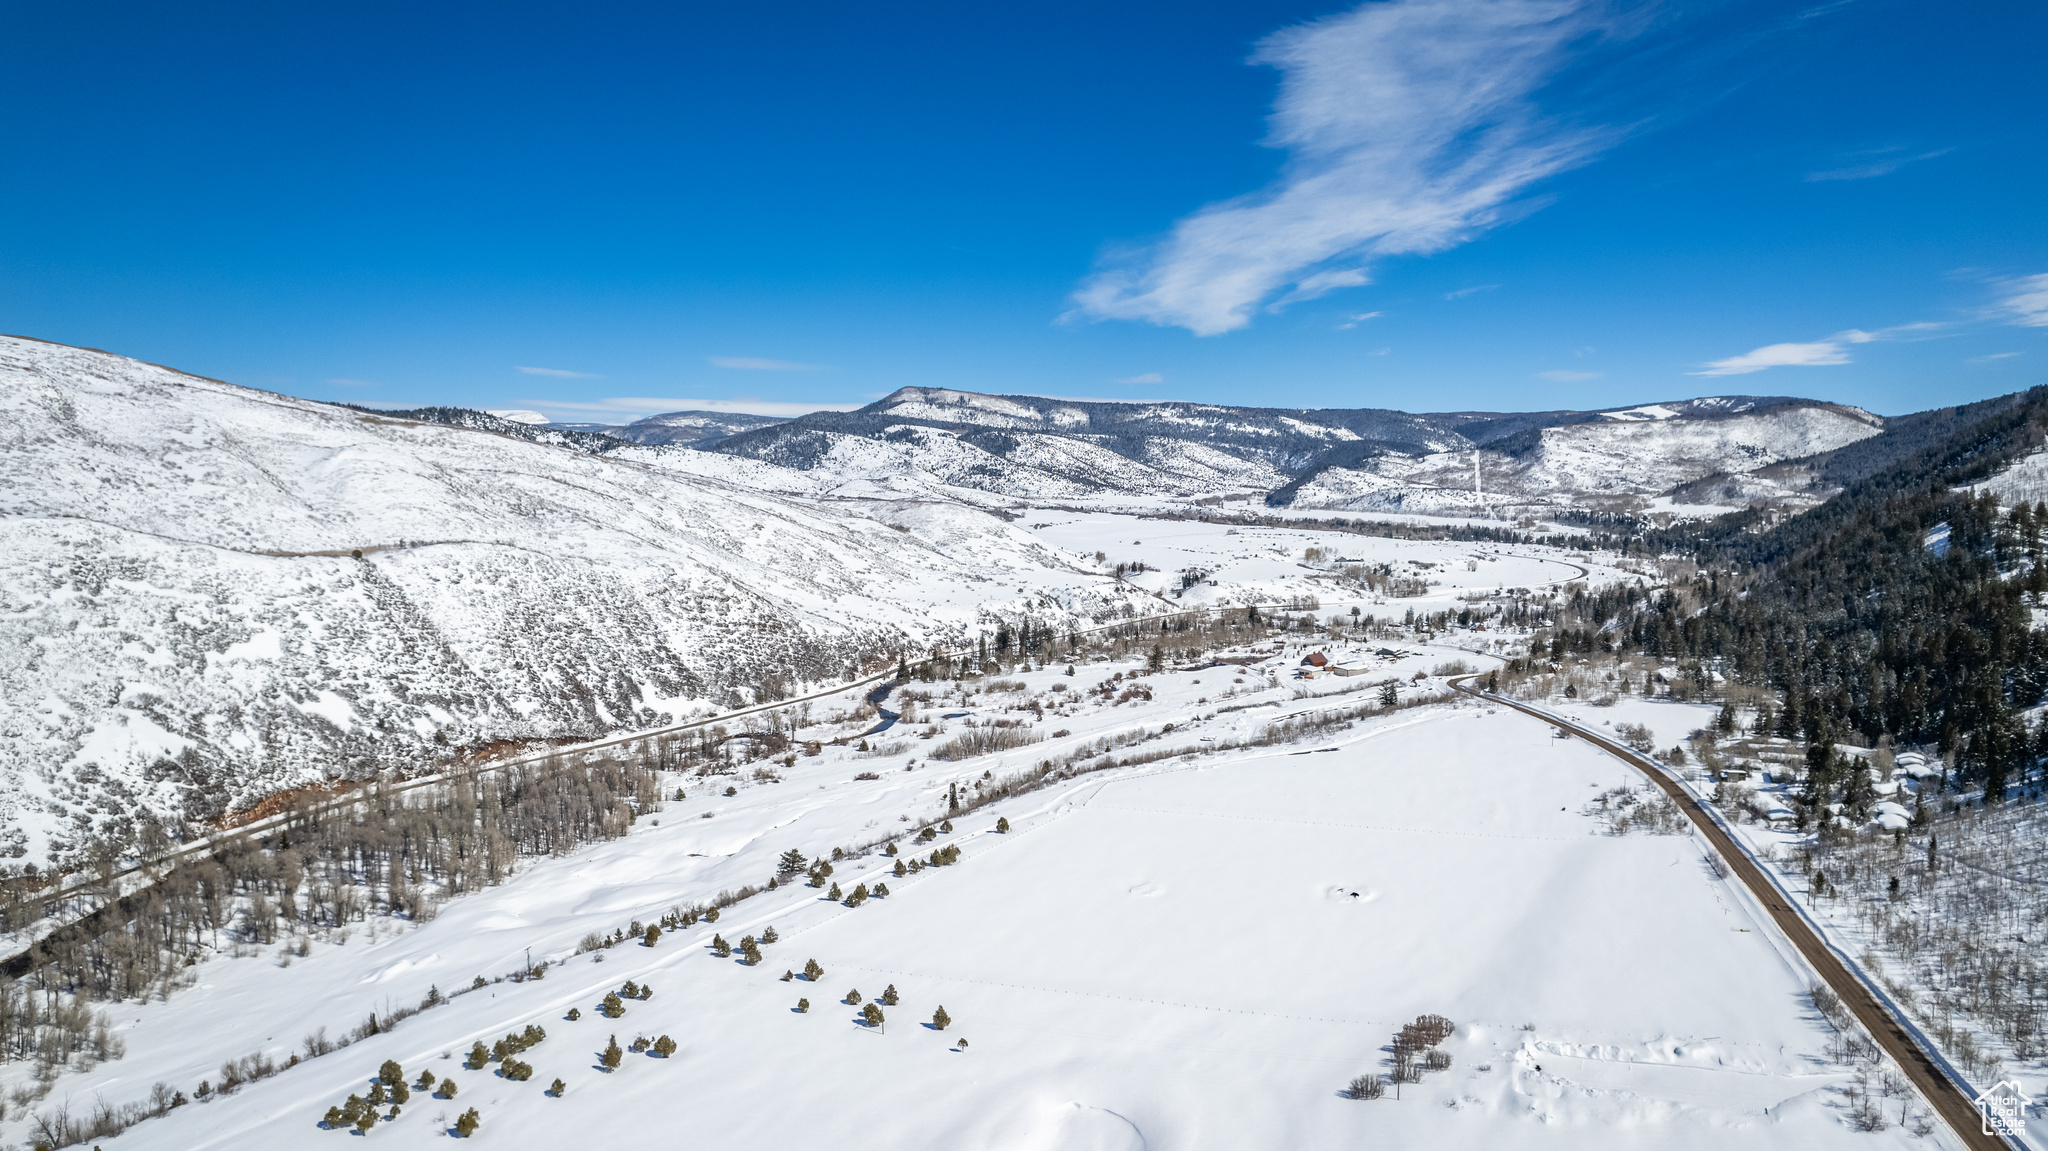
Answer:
[(1197, 950), (1925, 941)]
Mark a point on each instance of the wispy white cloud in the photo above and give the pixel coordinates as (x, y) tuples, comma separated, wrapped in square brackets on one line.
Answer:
[(757, 364), (558, 373), (1410, 127), (1461, 293), (1992, 358), (2026, 301), (1568, 377), (1144, 378), (1880, 162), (1819, 354)]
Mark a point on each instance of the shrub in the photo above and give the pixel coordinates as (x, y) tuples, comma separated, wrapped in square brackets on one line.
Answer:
[(889, 995), (769, 935), (467, 1125), (664, 1047), (612, 1054), (652, 937), (447, 1089), (983, 741), (1367, 1087), (478, 1057), (1003, 826), (516, 1070), (872, 1015), (812, 971), (556, 1088), (391, 1073), (940, 1019), (575, 1013), (612, 1007), (803, 1005)]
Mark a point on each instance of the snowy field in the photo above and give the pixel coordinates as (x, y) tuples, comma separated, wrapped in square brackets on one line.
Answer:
[(1265, 564), (1192, 953)]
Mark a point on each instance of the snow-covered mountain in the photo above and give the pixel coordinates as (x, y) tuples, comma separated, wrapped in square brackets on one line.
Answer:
[(210, 593), (1031, 447), (1614, 463)]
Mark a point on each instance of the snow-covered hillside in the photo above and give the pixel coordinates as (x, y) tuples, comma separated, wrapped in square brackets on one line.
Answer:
[(1608, 464), (185, 624), (1033, 448)]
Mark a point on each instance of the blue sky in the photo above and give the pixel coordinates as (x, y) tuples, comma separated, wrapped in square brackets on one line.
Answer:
[(1432, 206)]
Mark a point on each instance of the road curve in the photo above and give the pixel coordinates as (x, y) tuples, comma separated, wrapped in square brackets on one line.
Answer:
[(1951, 1100)]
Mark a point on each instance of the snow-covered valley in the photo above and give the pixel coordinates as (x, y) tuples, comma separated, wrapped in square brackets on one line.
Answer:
[(1163, 793), (1206, 948)]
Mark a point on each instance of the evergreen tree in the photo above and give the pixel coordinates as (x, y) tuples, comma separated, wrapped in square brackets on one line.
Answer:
[(467, 1125), (940, 1019), (852, 997), (400, 1093), (719, 946), (377, 1096), (1724, 723), (652, 937), (575, 1013), (834, 893), (792, 861), (946, 828), (612, 1054), (900, 869), (1389, 694), (391, 1073), (365, 1121), (750, 951), (447, 1088), (664, 1047), (769, 936), (613, 1008), (872, 1014), (556, 1088), (478, 1057), (1932, 859), (426, 1081), (333, 1118), (803, 1005), (881, 891), (812, 971), (889, 995), (1003, 826)]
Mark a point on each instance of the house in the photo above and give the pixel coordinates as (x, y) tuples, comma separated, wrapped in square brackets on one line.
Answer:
[(1350, 669), (1315, 659)]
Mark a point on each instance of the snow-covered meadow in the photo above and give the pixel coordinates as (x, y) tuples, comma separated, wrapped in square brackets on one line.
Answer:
[(1201, 950)]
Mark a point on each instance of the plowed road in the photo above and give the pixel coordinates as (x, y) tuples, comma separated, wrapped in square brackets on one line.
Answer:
[(1953, 1101)]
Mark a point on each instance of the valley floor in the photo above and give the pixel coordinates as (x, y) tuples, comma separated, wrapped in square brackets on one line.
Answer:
[(1195, 953)]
